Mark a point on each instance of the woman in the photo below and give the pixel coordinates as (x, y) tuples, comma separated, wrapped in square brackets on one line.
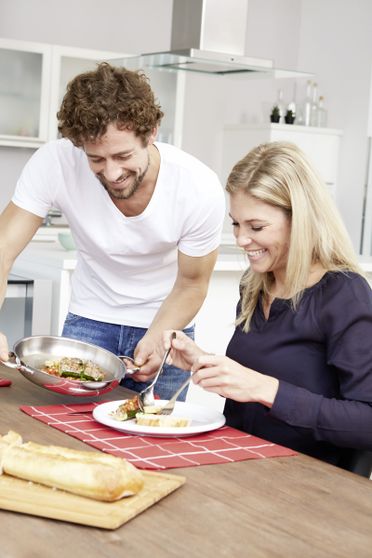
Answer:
[(298, 369)]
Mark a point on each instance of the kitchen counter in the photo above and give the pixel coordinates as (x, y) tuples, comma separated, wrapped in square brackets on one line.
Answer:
[(50, 233), (48, 260), (52, 254), (214, 321)]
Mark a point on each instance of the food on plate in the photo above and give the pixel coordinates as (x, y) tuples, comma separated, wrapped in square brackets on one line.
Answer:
[(130, 408), (151, 416), (164, 421), (91, 474), (74, 369), (152, 409), (126, 410)]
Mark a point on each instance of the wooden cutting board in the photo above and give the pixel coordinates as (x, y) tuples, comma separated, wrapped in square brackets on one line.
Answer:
[(25, 497)]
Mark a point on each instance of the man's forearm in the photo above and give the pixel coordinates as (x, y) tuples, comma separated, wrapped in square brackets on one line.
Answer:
[(5, 268), (178, 309), (187, 295)]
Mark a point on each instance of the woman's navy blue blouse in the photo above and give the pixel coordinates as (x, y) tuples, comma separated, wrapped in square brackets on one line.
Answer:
[(322, 356)]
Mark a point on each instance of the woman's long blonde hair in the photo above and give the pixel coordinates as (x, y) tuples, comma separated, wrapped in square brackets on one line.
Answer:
[(279, 174)]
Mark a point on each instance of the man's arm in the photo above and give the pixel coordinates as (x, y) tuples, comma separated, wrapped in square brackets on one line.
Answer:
[(17, 227), (178, 309)]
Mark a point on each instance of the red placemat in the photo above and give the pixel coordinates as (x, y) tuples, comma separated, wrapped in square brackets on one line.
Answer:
[(224, 445), (4, 382)]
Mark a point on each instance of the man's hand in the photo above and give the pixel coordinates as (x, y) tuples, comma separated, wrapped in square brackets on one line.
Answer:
[(4, 349), (148, 355)]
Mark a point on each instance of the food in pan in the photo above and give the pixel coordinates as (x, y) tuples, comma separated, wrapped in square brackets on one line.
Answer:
[(74, 369), (164, 421), (91, 474)]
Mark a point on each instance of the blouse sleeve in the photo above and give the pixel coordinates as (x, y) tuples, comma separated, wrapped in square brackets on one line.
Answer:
[(346, 320)]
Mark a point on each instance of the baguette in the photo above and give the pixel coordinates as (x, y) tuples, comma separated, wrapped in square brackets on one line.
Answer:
[(91, 474), (164, 421)]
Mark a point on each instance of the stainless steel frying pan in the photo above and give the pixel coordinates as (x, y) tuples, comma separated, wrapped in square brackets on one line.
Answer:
[(30, 353)]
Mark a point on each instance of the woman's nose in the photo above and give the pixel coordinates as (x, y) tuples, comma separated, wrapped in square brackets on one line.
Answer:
[(243, 239)]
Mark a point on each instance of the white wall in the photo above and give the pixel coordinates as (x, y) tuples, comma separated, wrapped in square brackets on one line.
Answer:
[(336, 43), (12, 161), (119, 25), (331, 39)]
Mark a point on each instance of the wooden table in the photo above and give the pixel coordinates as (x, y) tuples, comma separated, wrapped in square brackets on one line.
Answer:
[(292, 507)]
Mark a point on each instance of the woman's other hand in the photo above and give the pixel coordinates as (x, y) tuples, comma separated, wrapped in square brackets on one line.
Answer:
[(222, 375)]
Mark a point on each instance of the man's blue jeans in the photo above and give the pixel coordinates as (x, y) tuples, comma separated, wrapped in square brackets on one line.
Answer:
[(122, 340)]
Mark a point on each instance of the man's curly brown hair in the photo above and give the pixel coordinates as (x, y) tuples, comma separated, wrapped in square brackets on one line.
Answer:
[(108, 95)]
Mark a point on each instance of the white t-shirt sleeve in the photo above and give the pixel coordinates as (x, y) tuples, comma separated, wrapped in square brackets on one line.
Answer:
[(39, 181), (203, 228)]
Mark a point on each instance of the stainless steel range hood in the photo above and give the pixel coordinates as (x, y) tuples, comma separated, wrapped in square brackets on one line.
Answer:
[(209, 36)]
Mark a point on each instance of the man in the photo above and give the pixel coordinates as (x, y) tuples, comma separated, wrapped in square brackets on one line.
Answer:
[(145, 216)]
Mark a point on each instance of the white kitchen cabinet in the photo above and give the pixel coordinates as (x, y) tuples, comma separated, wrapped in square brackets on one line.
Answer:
[(24, 93), (320, 145), (33, 79)]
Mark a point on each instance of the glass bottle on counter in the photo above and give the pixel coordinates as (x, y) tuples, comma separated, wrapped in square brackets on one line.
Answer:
[(280, 105), (322, 114), (306, 112), (314, 106), (292, 107)]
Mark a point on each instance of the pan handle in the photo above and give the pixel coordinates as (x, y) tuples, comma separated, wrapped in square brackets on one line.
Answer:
[(128, 362), (15, 362), (12, 362)]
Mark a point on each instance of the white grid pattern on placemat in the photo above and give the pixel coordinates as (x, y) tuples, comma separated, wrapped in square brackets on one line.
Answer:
[(224, 445)]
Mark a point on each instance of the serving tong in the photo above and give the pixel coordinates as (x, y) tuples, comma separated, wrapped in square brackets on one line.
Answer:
[(146, 396)]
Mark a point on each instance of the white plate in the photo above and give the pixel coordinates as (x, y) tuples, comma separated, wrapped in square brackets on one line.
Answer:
[(202, 420)]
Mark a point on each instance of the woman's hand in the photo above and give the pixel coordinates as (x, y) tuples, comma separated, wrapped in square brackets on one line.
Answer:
[(184, 350), (222, 375)]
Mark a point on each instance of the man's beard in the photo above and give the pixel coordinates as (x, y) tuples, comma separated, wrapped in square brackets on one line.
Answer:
[(127, 191)]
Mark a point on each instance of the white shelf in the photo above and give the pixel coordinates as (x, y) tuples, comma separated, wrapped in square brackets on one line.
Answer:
[(284, 128)]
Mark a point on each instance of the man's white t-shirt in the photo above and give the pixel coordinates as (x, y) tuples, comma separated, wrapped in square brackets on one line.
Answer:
[(126, 266)]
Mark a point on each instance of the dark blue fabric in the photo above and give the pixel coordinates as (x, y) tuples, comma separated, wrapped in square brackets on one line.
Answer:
[(322, 355)]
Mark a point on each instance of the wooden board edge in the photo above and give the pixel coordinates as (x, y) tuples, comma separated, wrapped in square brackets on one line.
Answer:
[(114, 514)]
